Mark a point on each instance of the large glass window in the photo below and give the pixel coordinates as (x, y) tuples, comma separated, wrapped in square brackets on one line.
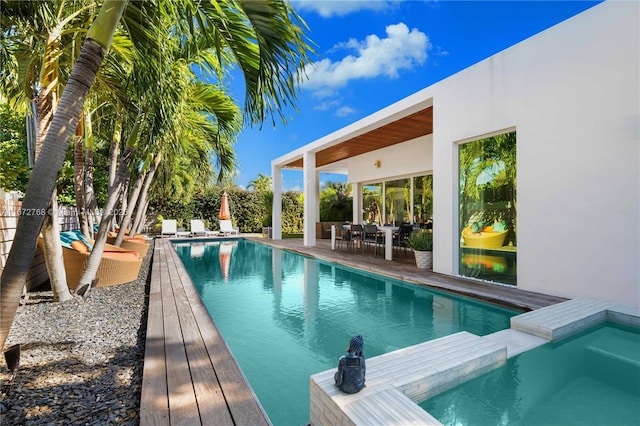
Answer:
[(423, 201), (488, 221), (396, 201), (372, 203)]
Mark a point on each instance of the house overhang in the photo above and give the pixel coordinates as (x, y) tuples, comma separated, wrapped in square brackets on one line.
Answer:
[(398, 123)]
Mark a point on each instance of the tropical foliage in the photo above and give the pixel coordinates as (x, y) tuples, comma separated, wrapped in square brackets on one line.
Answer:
[(336, 202), (14, 161), (144, 90), (248, 209), (488, 181)]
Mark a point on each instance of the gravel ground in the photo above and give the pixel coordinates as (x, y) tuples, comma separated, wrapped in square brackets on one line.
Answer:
[(81, 361)]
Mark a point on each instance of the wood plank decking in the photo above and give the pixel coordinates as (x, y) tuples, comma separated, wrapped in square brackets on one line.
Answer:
[(190, 376)]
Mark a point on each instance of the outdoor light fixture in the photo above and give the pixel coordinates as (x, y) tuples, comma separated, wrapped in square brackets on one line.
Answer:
[(377, 164)]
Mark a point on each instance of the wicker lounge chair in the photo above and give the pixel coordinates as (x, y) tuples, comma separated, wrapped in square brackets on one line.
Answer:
[(136, 243), (117, 266), (484, 240)]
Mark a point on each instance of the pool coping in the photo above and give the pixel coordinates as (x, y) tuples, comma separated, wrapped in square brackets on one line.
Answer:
[(398, 380), (189, 373)]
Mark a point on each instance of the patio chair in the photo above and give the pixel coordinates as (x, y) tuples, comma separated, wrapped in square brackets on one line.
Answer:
[(401, 239), (170, 228), (372, 236), (117, 265), (357, 233), (198, 229), (226, 227), (343, 235), (137, 243)]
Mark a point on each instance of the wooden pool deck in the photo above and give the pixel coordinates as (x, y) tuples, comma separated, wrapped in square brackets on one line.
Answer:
[(190, 376)]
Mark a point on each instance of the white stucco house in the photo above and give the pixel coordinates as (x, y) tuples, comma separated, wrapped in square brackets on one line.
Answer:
[(571, 95)]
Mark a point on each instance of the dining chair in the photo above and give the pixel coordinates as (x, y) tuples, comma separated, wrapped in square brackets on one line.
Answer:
[(372, 236)]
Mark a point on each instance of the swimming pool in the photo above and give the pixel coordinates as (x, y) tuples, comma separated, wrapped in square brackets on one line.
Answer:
[(591, 378), (285, 316)]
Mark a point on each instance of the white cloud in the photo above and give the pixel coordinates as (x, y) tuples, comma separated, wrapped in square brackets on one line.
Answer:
[(328, 105), (326, 8), (402, 49), (344, 111)]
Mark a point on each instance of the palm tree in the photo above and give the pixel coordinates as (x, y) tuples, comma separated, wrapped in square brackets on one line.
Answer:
[(58, 19), (264, 38), (336, 202), (45, 171)]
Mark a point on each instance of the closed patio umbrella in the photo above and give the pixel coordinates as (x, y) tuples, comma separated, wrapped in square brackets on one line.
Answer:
[(225, 259), (225, 212)]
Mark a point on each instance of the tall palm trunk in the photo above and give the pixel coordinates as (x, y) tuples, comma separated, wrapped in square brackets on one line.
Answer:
[(123, 201), (90, 196), (115, 150), (122, 174), (140, 227), (47, 102), (91, 205), (53, 253), (78, 179), (93, 262), (141, 210), (133, 198), (45, 172)]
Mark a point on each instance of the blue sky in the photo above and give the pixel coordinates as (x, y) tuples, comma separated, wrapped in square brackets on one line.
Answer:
[(370, 54)]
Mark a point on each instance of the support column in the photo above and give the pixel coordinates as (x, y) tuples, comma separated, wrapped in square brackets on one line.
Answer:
[(310, 198), (356, 191), (276, 210)]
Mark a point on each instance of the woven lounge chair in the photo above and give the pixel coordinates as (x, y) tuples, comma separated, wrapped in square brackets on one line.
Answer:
[(117, 266), (486, 239), (136, 243)]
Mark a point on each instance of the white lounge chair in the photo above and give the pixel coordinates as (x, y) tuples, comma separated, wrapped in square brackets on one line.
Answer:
[(170, 228), (226, 228), (198, 229)]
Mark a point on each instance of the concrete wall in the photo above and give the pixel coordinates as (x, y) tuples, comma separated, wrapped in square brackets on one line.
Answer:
[(411, 157), (572, 94)]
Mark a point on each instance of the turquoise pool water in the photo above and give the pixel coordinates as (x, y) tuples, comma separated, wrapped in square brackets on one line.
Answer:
[(590, 379), (286, 316)]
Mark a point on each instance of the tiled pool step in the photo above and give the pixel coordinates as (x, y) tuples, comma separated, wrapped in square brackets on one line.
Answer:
[(395, 381), (416, 372)]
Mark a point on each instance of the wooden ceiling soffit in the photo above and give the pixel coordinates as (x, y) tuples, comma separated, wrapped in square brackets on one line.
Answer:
[(402, 130)]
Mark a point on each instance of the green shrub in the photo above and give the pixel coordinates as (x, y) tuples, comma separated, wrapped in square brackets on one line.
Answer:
[(421, 241)]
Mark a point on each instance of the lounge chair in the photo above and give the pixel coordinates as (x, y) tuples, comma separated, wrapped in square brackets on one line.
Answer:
[(137, 243), (117, 266), (170, 228), (226, 228), (198, 229), (486, 239)]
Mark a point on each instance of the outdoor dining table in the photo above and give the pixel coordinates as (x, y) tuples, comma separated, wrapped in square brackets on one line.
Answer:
[(388, 238)]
